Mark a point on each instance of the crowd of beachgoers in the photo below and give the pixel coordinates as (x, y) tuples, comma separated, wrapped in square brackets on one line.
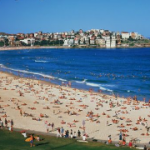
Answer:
[(68, 112)]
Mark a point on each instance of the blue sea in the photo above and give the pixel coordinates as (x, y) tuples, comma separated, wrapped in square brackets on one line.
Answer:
[(124, 72)]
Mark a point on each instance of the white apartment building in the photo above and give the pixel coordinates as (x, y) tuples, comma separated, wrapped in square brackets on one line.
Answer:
[(137, 36), (35, 34), (125, 35), (92, 41), (55, 36), (113, 42), (100, 42), (87, 40), (68, 42), (101, 31), (29, 41), (82, 40), (107, 39), (76, 41)]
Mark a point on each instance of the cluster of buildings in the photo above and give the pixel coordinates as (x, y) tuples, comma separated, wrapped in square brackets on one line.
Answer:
[(93, 37), (97, 37)]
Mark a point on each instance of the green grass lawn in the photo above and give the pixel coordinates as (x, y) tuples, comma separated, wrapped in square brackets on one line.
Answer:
[(15, 141)]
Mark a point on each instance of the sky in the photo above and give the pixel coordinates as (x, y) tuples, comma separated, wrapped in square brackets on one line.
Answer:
[(26, 16)]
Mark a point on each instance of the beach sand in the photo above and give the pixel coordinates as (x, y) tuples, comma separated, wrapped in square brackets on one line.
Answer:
[(29, 47), (26, 100)]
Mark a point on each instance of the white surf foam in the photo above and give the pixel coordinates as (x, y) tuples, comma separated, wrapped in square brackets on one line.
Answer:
[(93, 84), (27, 72), (100, 86), (108, 85), (105, 89), (84, 81), (61, 79), (42, 61)]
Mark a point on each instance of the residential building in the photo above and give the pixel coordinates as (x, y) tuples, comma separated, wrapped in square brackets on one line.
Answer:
[(113, 41), (68, 42), (11, 39), (28, 41), (133, 35), (102, 42), (125, 35), (107, 39), (76, 41), (71, 42), (35, 34), (101, 31), (87, 40), (82, 40), (92, 40), (98, 40)]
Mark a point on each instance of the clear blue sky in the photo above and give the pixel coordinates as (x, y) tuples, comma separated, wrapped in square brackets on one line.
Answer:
[(64, 15)]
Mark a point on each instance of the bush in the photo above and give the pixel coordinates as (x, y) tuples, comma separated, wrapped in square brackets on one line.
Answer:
[(1, 43), (131, 44)]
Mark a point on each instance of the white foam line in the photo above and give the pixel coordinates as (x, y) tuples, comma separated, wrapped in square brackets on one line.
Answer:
[(28, 72)]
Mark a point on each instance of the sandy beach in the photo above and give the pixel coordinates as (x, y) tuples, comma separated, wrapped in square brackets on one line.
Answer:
[(49, 47), (28, 47), (36, 105)]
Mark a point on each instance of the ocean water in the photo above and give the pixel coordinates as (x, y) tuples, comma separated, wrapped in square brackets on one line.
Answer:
[(124, 72)]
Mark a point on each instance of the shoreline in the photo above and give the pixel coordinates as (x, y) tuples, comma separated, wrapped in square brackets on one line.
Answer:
[(63, 47), (70, 100), (50, 80)]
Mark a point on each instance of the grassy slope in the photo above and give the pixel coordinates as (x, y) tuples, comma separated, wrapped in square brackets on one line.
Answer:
[(15, 141)]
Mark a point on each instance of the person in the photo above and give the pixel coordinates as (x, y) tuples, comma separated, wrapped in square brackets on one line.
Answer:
[(84, 137), (52, 125), (130, 144), (1, 123), (37, 138), (71, 134), (31, 141), (109, 137), (11, 124), (83, 123), (120, 137), (69, 83), (58, 132), (79, 133), (6, 122), (74, 135), (145, 148), (109, 141), (123, 142), (67, 134), (47, 127), (62, 131), (21, 112)]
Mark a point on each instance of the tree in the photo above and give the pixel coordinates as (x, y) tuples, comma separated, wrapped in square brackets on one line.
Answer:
[(131, 44), (1, 43), (100, 36), (44, 42), (131, 39), (6, 42), (37, 43)]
